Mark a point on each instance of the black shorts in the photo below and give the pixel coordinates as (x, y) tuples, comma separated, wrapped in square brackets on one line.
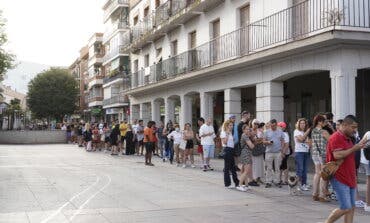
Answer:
[(149, 147), (189, 144), (284, 163)]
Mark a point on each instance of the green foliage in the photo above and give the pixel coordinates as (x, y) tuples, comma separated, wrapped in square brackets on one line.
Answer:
[(6, 59), (52, 94)]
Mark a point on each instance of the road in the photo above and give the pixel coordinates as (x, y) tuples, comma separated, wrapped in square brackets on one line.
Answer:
[(63, 183)]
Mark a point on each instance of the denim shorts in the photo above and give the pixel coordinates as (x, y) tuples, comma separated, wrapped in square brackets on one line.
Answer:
[(208, 151), (345, 194), (367, 167)]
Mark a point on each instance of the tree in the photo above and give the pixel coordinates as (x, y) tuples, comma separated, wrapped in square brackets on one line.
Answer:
[(52, 94), (6, 59)]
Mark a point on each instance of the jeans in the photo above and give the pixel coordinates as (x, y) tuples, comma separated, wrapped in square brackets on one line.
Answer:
[(301, 159), (229, 166), (162, 147), (169, 149), (345, 194)]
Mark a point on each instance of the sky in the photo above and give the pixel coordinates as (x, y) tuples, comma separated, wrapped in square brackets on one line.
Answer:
[(51, 32)]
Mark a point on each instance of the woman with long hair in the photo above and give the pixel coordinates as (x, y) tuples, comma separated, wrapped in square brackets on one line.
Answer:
[(227, 141), (302, 151), (188, 137), (176, 137), (320, 137), (88, 137), (114, 136), (246, 158)]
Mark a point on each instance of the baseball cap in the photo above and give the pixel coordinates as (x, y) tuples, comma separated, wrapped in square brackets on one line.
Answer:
[(232, 116), (282, 124)]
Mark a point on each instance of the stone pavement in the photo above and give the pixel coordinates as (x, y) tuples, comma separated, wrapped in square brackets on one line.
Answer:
[(63, 183)]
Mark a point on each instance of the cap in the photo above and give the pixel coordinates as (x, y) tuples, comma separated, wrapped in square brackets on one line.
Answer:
[(232, 116), (282, 125)]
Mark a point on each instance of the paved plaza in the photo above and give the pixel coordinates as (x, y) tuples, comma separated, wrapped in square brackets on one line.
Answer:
[(63, 183)]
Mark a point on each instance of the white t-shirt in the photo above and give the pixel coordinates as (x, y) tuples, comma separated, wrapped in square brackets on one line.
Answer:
[(207, 140), (177, 137), (230, 139), (287, 140), (300, 147), (363, 159)]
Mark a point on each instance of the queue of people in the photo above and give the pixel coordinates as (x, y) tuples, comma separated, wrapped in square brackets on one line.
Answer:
[(254, 153)]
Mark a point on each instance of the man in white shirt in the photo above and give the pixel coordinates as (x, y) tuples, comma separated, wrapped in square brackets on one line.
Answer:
[(366, 163), (207, 136)]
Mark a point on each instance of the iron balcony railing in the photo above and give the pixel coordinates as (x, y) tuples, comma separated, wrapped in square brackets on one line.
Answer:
[(113, 78), (95, 98), (113, 5), (115, 99), (161, 14), (116, 26), (114, 53), (302, 20)]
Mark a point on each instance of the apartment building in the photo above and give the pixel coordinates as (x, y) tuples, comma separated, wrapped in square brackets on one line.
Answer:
[(79, 70), (116, 63), (282, 59), (96, 75)]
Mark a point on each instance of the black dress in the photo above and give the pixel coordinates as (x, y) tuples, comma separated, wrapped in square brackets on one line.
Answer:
[(130, 146)]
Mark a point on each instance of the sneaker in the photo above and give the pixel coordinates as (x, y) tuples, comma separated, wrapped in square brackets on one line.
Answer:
[(367, 208), (230, 187), (253, 184), (360, 204), (304, 188), (193, 166), (209, 167), (268, 185), (241, 188), (164, 160), (277, 185), (184, 166)]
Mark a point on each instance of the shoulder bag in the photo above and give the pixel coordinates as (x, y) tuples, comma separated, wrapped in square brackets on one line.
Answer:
[(329, 169)]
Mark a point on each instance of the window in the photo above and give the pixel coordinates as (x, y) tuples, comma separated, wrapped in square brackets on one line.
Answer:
[(146, 60), (215, 29), (146, 11), (136, 20), (244, 16), (158, 52), (157, 3), (136, 65), (192, 40), (174, 48)]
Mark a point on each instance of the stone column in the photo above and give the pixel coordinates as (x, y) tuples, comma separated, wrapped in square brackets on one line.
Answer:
[(169, 107), (343, 92), (186, 110), (206, 105), (232, 104), (156, 111), (270, 101)]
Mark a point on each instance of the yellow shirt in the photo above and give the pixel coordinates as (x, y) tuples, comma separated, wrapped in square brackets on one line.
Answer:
[(123, 129)]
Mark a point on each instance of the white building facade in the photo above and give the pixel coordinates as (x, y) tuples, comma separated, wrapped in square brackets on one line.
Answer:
[(116, 61), (281, 59)]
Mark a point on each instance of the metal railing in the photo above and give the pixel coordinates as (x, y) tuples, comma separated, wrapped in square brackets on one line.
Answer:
[(113, 78), (116, 26), (115, 99), (157, 17), (302, 20), (114, 53), (95, 98), (113, 5)]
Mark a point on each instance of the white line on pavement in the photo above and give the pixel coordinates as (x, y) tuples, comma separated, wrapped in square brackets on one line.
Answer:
[(90, 198), (69, 201)]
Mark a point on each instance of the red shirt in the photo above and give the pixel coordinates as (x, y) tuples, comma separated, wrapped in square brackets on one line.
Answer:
[(346, 173)]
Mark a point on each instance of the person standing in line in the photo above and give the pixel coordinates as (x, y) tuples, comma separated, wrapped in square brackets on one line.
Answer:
[(258, 167), (161, 140), (228, 144), (246, 158), (366, 163), (96, 138), (176, 137), (320, 138), (284, 172), (88, 137), (301, 151), (200, 122), (149, 140), (123, 130), (188, 137), (341, 149), (140, 138), (114, 137), (169, 142), (274, 153), (207, 136), (130, 141)]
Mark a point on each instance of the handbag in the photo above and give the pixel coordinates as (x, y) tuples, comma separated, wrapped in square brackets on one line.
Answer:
[(329, 169), (182, 144), (258, 150)]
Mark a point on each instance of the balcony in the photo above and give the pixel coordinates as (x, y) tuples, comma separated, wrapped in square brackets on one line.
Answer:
[(116, 52), (96, 80), (95, 101), (167, 17), (306, 19), (116, 27), (116, 101), (96, 59), (112, 5)]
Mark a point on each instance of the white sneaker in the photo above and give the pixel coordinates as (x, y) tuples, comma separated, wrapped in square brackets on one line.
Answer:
[(230, 187), (193, 166), (304, 187), (360, 204), (367, 208), (184, 166), (241, 188)]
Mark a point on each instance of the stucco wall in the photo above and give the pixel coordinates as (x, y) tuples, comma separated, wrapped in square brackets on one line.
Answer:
[(32, 137)]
